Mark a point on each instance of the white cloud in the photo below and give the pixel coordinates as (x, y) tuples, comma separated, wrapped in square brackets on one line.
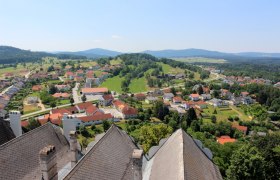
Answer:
[(116, 37)]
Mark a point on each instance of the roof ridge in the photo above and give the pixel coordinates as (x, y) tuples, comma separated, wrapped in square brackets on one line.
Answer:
[(81, 161)]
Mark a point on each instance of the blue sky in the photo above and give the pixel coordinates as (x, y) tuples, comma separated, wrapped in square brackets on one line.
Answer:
[(131, 26)]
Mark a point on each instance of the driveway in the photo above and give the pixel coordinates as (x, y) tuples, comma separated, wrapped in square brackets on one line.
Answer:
[(76, 97)]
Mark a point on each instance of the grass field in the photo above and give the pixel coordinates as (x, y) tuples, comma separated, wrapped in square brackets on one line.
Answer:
[(113, 84), (138, 85), (201, 60), (115, 61), (224, 113), (88, 64), (30, 108), (168, 69)]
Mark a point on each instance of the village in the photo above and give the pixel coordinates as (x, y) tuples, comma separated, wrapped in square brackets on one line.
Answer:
[(73, 90)]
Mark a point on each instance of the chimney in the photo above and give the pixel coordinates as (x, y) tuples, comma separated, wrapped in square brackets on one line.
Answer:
[(69, 124), (73, 148), (137, 164), (48, 163), (15, 122)]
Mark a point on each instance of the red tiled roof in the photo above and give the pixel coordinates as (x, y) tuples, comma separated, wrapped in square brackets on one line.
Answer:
[(59, 95), (91, 109), (24, 123), (225, 139), (36, 88), (54, 118), (119, 103), (96, 117), (245, 93), (178, 99), (94, 90), (60, 111), (140, 95), (194, 95), (129, 111), (69, 73), (84, 105), (240, 128)]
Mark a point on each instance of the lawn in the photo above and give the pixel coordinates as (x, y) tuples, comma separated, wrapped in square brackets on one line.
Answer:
[(224, 113), (30, 108), (138, 85), (113, 84)]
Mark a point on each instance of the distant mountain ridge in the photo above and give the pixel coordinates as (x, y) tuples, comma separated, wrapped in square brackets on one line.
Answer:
[(10, 54), (170, 53), (94, 53)]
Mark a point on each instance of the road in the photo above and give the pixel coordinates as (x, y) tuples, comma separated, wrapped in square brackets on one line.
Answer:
[(61, 79), (76, 97)]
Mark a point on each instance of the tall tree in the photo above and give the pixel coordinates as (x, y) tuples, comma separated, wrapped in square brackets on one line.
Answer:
[(246, 163), (84, 98)]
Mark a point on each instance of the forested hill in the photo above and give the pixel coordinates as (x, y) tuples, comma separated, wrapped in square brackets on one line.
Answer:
[(10, 55)]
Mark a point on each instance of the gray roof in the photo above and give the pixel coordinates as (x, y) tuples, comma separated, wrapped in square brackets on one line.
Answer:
[(110, 158), (19, 157), (181, 158), (6, 132)]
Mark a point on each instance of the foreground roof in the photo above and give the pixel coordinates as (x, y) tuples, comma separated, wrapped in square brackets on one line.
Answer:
[(109, 158), (20, 157), (181, 157), (6, 132)]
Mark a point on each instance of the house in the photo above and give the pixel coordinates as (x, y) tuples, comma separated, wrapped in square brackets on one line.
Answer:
[(205, 97), (243, 129), (61, 95), (36, 88), (194, 97), (244, 94), (177, 100), (94, 91), (140, 97), (62, 87), (150, 99), (69, 75), (95, 119), (188, 104), (168, 96), (108, 99), (127, 111), (226, 93), (200, 104), (217, 102), (235, 101), (225, 139), (81, 107), (180, 76), (247, 100)]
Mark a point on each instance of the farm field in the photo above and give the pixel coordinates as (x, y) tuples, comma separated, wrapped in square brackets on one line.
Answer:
[(200, 60), (115, 61)]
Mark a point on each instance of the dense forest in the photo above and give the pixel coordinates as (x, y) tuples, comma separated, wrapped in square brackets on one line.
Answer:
[(10, 55)]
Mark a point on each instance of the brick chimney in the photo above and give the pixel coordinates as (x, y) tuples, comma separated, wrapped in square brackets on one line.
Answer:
[(15, 122), (73, 148), (137, 164), (48, 163)]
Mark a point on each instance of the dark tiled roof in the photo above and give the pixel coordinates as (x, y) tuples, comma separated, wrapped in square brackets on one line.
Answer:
[(181, 158), (110, 158), (6, 132), (19, 158)]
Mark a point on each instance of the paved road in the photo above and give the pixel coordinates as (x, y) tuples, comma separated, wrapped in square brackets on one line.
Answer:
[(76, 97)]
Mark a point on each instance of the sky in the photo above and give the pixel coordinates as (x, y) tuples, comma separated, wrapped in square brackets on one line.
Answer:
[(137, 25)]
